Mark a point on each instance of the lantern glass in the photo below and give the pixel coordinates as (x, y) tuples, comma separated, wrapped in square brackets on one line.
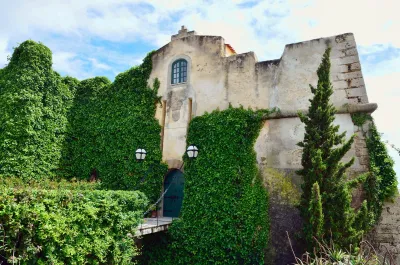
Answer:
[(140, 154), (192, 151)]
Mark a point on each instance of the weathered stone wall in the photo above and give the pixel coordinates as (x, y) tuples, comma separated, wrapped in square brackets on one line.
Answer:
[(277, 144), (386, 235), (216, 80)]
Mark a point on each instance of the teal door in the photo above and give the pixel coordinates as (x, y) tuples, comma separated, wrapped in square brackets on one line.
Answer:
[(173, 198)]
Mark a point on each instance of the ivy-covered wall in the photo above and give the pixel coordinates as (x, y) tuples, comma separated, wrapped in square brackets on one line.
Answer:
[(60, 127), (224, 217), (33, 106), (108, 122), (380, 184)]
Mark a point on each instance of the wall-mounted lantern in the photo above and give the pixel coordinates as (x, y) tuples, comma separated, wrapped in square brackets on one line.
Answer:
[(140, 154), (192, 151)]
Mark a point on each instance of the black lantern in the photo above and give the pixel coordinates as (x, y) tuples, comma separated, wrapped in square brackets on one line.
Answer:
[(140, 154), (192, 151)]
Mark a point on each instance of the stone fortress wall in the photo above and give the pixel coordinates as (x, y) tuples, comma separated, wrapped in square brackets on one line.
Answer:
[(216, 80), (217, 77)]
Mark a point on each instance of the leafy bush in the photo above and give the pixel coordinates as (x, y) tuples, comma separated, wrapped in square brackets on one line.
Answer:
[(47, 184), (68, 226), (33, 106), (224, 216)]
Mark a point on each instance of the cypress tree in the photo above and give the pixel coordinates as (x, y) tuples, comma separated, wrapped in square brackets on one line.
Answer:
[(323, 150), (316, 215)]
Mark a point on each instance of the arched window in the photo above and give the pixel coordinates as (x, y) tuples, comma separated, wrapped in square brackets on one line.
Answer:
[(179, 71)]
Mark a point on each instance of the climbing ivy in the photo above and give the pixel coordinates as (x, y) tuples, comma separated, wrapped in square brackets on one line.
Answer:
[(224, 217), (33, 106), (381, 183), (108, 122), (360, 118)]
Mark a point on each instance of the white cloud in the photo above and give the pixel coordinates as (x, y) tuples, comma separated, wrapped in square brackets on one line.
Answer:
[(70, 64), (99, 65), (3, 52)]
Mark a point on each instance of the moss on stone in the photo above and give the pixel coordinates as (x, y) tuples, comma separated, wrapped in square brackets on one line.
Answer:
[(280, 186)]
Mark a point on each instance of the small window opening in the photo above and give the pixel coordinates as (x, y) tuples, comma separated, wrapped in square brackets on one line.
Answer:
[(179, 72)]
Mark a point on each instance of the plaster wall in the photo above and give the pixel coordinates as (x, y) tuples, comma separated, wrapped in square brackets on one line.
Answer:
[(276, 145), (216, 80)]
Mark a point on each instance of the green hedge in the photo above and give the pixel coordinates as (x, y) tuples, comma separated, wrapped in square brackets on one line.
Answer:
[(47, 184), (33, 106), (108, 122), (68, 226), (224, 216)]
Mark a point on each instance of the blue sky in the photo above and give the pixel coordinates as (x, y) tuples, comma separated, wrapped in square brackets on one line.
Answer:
[(103, 37)]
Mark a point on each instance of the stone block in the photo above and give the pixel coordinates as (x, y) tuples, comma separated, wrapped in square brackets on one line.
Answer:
[(340, 84), (345, 45), (387, 238), (364, 99), (364, 160), (351, 51), (360, 135), (387, 229), (391, 219), (349, 75), (344, 68), (358, 152), (349, 59), (354, 92), (361, 144), (355, 66), (337, 54), (353, 100), (357, 82)]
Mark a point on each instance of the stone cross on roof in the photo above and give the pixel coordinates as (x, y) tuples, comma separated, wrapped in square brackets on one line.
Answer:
[(183, 32)]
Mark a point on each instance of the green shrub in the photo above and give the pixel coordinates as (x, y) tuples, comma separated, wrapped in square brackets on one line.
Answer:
[(68, 226), (224, 216), (47, 184)]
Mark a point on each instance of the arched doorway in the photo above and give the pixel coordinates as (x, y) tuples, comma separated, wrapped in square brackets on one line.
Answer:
[(173, 198)]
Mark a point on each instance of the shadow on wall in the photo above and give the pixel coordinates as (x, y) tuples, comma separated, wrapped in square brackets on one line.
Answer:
[(284, 194)]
